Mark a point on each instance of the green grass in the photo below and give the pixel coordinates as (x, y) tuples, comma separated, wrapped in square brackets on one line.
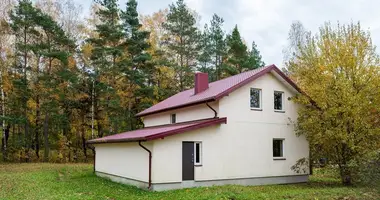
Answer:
[(76, 181)]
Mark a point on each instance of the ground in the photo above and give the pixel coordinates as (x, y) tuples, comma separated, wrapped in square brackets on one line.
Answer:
[(76, 181)]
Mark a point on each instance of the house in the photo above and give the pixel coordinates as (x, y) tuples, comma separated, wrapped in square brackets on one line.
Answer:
[(236, 130)]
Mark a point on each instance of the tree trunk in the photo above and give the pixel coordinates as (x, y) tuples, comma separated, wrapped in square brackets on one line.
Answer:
[(4, 139), (92, 109), (46, 138), (25, 56), (5, 142), (36, 134), (83, 136), (26, 139), (345, 175), (38, 113), (310, 163)]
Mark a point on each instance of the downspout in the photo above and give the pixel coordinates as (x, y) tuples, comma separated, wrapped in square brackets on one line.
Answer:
[(150, 165), (215, 113)]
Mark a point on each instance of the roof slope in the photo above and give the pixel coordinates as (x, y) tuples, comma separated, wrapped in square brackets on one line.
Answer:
[(155, 132), (216, 91)]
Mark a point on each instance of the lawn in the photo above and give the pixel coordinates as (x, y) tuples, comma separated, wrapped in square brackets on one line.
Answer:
[(76, 181)]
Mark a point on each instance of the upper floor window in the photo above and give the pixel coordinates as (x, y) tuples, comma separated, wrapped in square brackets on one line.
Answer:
[(173, 118), (278, 101), (255, 98)]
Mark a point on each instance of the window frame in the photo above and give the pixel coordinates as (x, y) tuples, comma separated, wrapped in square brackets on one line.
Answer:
[(200, 154), (282, 101), (260, 108), (171, 118), (282, 152)]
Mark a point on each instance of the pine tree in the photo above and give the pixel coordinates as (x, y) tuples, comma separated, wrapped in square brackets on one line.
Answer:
[(23, 25), (255, 60), (135, 66), (106, 51), (218, 43), (57, 47), (205, 51), (237, 61), (181, 25)]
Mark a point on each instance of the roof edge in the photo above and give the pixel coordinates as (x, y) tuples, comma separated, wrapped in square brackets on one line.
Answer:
[(246, 81), (176, 107), (163, 134), (189, 128)]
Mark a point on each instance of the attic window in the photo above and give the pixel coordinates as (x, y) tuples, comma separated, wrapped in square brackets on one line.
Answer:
[(173, 118), (255, 99)]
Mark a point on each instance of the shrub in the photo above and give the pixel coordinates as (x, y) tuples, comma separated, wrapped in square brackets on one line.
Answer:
[(367, 169)]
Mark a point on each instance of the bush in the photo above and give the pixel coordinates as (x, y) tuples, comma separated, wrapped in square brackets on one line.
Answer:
[(367, 169)]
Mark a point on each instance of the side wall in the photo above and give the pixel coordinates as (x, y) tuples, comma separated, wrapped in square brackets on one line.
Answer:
[(127, 160), (242, 148), (182, 115)]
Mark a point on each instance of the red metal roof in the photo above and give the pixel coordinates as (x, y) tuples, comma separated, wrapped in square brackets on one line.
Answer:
[(155, 132), (216, 91)]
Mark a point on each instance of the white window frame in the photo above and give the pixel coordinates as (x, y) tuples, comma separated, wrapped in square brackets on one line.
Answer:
[(195, 154), (283, 149), (171, 118), (282, 101), (260, 108)]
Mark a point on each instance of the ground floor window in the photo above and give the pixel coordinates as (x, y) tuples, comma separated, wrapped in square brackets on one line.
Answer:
[(278, 148), (197, 153)]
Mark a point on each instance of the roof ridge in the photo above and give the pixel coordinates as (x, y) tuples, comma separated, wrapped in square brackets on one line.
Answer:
[(230, 77)]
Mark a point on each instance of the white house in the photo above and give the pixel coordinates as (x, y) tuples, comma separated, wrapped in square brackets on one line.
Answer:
[(233, 131)]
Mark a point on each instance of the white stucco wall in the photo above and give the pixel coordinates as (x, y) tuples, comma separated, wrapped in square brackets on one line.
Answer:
[(241, 148), (182, 115), (123, 159)]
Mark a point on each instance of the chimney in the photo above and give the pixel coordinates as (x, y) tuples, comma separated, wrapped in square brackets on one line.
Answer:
[(201, 82)]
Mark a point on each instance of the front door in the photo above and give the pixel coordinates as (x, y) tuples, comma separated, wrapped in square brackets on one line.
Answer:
[(187, 161)]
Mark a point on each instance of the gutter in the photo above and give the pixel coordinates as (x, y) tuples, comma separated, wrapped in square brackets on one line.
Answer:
[(150, 165)]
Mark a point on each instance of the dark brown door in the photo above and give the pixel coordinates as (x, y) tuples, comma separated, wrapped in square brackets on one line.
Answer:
[(187, 161)]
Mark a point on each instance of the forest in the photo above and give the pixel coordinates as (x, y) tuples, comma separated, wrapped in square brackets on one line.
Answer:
[(66, 79)]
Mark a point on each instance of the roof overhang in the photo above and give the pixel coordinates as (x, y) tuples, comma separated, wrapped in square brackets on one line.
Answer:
[(177, 107), (182, 127)]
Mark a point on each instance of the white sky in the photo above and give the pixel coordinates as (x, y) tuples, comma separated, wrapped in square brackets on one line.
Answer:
[(267, 22)]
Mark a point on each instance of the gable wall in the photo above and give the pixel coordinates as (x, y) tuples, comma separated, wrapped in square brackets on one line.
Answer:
[(242, 148)]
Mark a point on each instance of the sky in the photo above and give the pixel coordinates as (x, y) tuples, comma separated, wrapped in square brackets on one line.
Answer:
[(267, 22)]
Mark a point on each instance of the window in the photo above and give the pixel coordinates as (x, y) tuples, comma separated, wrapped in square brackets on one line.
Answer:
[(197, 153), (278, 101), (256, 98), (278, 148), (172, 118)]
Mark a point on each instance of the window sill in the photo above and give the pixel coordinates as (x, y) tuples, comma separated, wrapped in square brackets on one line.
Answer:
[(279, 158), (198, 165), (257, 109), (279, 111)]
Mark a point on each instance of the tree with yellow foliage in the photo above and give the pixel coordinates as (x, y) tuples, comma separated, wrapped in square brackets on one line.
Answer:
[(339, 72)]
